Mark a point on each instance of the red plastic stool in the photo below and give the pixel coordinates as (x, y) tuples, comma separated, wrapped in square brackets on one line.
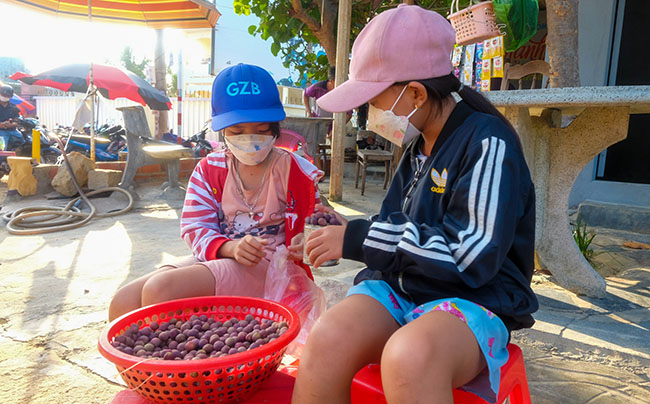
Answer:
[(367, 388)]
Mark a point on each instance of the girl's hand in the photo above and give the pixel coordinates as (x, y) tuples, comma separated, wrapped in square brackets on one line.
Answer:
[(325, 244), (330, 211), (297, 247), (247, 251)]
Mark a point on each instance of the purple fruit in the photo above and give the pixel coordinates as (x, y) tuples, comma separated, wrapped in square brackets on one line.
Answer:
[(231, 341), (334, 222), (322, 222), (191, 345)]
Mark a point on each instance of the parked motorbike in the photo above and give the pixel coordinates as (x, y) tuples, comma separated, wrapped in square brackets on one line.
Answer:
[(200, 147), (109, 142), (21, 143)]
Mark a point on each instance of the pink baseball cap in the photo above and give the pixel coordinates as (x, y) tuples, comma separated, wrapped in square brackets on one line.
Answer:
[(401, 44)]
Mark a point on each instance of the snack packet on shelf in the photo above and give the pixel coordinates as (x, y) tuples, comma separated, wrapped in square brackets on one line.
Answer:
[(456, 56), (487, 49), (478, 65), (497, 46), (497, 66), (486, 69), (468, 66)]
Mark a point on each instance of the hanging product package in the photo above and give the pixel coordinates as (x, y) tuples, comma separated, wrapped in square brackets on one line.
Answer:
[(288, 284), (517, 19)]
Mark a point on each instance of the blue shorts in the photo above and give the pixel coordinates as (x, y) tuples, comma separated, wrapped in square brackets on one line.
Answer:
[(489, 330)]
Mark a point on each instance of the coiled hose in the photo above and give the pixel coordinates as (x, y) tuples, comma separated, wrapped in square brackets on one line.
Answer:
[(43, 219)]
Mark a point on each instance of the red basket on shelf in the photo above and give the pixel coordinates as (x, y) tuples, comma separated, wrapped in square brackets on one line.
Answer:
[(213, 380)]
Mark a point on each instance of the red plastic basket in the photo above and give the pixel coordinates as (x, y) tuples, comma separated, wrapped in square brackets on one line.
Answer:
[(213, 380)]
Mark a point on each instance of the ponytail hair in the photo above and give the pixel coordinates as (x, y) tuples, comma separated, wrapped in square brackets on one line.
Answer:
[(439, 88)]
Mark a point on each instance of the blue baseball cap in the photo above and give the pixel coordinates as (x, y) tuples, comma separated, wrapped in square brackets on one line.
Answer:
[(245, 93)]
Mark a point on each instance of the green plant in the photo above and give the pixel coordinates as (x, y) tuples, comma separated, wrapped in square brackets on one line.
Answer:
[(583, 238), (303, 32)]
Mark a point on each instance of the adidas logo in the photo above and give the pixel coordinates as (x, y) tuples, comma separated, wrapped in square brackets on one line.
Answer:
[(440, 180)]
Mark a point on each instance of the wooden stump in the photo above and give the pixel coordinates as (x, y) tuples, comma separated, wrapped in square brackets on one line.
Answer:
[(21, 177)]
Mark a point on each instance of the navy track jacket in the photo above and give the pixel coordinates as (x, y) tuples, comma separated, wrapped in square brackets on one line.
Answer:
[(460, 224)]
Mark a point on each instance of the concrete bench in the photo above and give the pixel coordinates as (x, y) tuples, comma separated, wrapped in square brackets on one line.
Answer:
[(556, 155), (143, 150)]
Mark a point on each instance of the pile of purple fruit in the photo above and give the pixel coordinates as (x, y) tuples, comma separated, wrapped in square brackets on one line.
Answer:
[(322, 219), (199, 337)]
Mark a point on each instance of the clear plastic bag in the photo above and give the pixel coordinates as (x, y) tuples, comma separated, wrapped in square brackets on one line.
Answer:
[(287, 283)]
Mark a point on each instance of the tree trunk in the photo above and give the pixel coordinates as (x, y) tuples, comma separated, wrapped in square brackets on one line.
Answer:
[(562, 42), (338, 128), (161, 83), (323, 30)]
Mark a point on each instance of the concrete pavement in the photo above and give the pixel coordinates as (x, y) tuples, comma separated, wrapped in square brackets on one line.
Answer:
[(55, 290)]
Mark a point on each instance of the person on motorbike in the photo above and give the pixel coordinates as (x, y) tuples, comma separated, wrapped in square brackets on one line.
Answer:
[(9, 113)]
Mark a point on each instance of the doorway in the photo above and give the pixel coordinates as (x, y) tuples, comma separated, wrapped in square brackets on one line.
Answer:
[(629, 160)]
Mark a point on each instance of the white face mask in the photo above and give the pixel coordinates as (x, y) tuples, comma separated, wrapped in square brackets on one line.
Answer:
[(394, 128), (250, 150)]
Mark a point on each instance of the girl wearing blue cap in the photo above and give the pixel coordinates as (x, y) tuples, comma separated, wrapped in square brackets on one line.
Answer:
[(450, 255), (241, 202)]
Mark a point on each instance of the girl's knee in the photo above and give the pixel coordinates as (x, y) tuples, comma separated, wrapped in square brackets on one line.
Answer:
[(412, 354), (124, 301), (325, 335), (156, 289)]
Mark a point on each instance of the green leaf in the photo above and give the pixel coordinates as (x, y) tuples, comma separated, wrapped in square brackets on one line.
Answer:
[(275, 48), (251, 29)]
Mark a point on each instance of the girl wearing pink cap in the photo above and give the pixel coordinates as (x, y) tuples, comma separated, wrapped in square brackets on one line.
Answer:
[(450, 255)]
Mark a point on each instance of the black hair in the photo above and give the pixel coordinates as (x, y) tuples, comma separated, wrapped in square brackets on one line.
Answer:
[(439, 88), (275, 129), (331, 73)]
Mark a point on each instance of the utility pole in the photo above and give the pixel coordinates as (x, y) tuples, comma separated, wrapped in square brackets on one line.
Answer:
[(161, 83)]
